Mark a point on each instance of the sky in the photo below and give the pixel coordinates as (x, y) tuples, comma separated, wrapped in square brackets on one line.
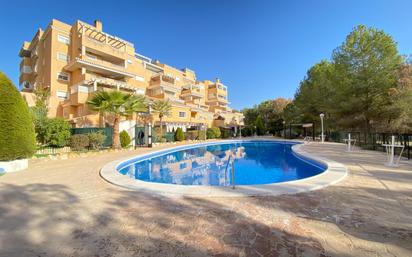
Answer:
[(260, 49)]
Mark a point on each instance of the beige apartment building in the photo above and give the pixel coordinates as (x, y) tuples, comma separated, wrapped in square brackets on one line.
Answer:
[(73, 61)]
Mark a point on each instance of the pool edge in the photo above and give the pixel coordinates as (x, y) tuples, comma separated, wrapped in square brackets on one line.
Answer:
[(334, 173)]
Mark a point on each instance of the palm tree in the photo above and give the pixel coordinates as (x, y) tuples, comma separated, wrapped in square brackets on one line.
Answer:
[(163, 108), (116, 103), (137, 104)]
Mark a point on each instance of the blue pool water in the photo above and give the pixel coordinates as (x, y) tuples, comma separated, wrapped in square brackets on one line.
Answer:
[(255, 162)]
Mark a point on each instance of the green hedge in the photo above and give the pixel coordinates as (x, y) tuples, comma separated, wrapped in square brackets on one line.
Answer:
[(179, 135), (125, 139), (17, 137)]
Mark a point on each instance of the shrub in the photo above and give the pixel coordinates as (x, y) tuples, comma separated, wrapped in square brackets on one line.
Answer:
[(96, 140), (125, 139), (179, 135), (17, 138), (56, 132), (213, 133), (191, 135), (201, 135), (79, 142)]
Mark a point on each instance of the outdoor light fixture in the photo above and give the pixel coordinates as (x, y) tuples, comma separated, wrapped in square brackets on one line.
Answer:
[(149, 133), (321, 115)]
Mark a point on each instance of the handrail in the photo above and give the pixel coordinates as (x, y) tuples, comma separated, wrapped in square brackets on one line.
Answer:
[(233, 169)]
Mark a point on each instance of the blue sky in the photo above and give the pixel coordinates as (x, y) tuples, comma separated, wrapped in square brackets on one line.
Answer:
[(259, 49)]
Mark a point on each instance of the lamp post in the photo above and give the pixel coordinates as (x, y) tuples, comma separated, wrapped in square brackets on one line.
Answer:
[(321, 123), (149, 133), (284, 129)]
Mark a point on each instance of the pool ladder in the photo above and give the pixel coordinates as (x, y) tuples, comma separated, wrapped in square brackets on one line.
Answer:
[(231, 160)]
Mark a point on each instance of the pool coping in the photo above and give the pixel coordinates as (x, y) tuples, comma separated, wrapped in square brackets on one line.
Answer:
[(334, 173)]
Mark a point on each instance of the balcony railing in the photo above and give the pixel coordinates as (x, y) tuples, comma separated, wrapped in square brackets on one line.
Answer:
[(107, 67)]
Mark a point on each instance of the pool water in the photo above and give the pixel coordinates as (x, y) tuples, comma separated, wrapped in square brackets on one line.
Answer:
[(255, 162)]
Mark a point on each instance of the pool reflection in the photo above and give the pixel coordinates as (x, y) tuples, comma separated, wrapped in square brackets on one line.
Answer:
[(255, 163)]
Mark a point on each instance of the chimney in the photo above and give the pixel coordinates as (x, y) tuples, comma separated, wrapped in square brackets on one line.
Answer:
[(217, 80), (99, 25)]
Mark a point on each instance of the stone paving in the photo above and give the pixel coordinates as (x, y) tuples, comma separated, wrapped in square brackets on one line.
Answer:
[(63, 208)]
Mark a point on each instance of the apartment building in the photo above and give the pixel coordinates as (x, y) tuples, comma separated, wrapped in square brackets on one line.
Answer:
[(74, 61)]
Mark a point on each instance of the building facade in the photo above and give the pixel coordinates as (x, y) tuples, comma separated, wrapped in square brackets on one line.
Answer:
[(74, 61)]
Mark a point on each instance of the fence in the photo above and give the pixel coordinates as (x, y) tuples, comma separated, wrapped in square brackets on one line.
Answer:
[(108, 132), (53, 150), (374, 141)]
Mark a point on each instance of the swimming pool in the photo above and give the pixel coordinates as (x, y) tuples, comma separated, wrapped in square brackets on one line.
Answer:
[(255, 163)]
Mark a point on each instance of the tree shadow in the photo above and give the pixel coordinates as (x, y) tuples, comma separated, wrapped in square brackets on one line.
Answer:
[(49, 220)]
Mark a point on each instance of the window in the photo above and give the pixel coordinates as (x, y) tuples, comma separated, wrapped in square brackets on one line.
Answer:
[(91, 57), (139, 78), (62, 95), (83, 89), (140, 91), (63, 76), (182, 114), (63, 57), (26, 69), (63, 39)]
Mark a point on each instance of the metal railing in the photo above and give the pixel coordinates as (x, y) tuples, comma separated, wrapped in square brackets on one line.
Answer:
[(231, 160)]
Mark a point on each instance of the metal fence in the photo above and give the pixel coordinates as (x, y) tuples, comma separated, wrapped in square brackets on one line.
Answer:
[(374, 141)]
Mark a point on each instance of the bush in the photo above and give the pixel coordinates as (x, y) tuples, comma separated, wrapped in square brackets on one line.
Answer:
[(56, 132), (201, 135), (179, 135), (17, 137), (191, 135), (213, 133), (79, 142), (96, 140), (125, 139)]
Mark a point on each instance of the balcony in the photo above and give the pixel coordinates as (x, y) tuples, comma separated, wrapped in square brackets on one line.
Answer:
[(103, 42), (161, 84), (97, 65), (191, 90), (24, 50), (109, 82)]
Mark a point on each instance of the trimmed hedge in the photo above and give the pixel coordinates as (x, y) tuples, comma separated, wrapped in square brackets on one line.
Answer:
[(125, 139), (17, 137), (179, 135)]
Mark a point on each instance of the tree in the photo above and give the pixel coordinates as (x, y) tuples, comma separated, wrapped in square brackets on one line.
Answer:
[(137, 105), (179, 135), (162, 108), (39, 110), (56, 132), (17, 137), (115, 103), (260, 127), (366, 69)]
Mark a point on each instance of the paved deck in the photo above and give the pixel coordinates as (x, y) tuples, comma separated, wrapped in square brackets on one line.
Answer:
[(63, 208)]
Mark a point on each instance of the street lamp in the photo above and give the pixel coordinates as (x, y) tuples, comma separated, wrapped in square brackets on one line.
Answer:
[(149, 133), (284, 129), (321, 122)]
